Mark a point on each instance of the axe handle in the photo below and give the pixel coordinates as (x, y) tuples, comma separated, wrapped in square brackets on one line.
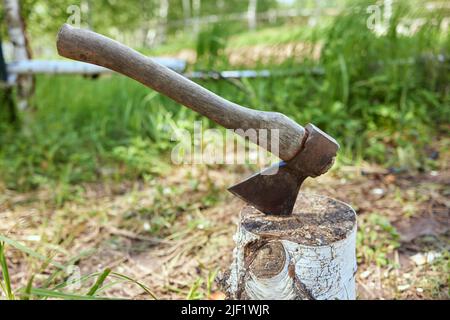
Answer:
[(90, 47)]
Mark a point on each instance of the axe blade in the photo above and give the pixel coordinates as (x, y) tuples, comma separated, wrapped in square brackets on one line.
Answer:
[(272, 191)]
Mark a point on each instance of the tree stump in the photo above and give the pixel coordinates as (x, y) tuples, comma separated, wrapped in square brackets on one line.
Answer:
[(309, 255)]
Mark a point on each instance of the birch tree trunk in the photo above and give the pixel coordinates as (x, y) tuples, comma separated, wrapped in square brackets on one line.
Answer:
[(251, 14), (309, 255), (145, 8), (186, 13), (7, 100), (22, 51), (220, 5), (196, 6), (3, 72), (162, 23), (90, 22)]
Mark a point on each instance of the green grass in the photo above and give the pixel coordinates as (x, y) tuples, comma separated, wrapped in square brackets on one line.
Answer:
[(50, 288), (112, 128), (376, 240), (5, 283), (239, 36), (84, 130), (292, 32)]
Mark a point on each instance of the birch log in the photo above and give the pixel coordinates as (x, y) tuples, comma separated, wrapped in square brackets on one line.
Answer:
[(22, 52), (307, 256)]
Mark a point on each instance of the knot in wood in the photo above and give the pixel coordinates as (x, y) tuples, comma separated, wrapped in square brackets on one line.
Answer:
[(269, 260)]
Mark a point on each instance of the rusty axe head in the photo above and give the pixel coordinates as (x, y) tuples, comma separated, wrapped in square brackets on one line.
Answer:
[(275, 189)]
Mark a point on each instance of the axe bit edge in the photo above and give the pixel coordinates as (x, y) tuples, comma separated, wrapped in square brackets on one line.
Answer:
[(274, 190)]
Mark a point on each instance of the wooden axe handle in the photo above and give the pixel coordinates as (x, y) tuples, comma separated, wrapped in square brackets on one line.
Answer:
[(90, 47)]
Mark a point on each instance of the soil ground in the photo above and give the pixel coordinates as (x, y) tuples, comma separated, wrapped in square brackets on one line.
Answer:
[(174, 233)]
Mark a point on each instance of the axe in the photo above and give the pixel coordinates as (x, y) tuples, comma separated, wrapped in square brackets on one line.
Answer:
[(306, 151)]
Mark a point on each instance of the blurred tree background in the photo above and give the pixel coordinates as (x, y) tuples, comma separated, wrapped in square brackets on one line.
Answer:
[(383, 95)]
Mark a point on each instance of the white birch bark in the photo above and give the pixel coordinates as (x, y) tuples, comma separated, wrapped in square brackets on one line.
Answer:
[(87, 8), (196, 6), (162, 23), (251, 14), (186, 12), (310, 255), (21, 51)]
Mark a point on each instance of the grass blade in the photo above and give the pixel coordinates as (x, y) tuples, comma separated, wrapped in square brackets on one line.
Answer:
[(27, 293), (144, 287), (72, 261), (29, 251), (5, 273), (65, 296), (81, 281), (99, 282), (111, 284), (2, 286)]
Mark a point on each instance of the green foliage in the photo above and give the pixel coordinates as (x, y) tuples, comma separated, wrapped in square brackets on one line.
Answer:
[(211, 44), (393, 85), (376, 240), (441, 275), (102, 129), (140, 157), (384, 97), (201, 288)]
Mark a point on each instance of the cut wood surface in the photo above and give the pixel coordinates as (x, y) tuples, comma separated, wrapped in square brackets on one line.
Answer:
[(309, 255), (90, 47)]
